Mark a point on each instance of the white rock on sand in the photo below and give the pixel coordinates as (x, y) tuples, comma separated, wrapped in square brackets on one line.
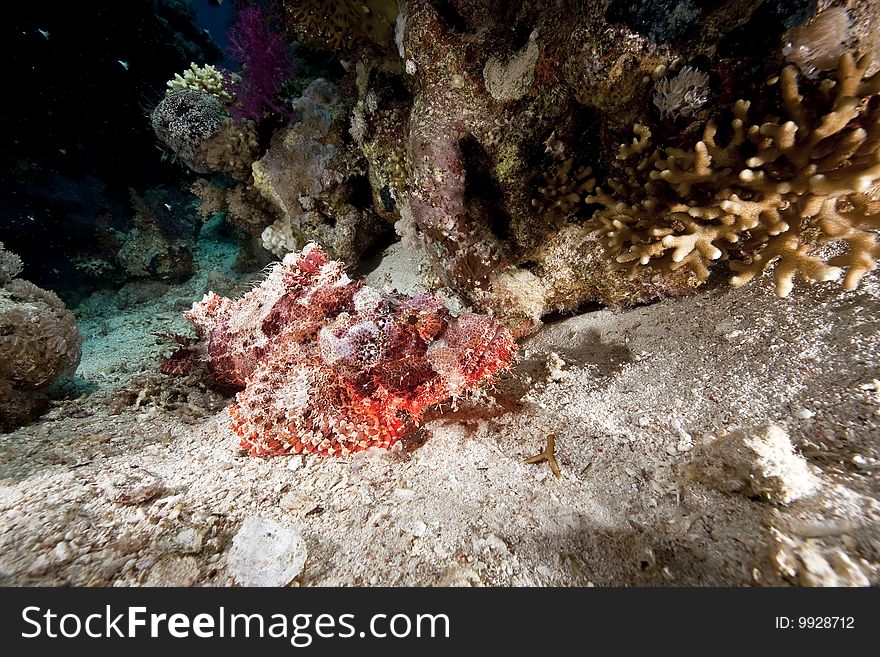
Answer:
[(758, 461), (264, 553)]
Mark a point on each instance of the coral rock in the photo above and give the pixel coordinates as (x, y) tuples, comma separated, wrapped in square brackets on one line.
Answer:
[(157, 245), (760, 462), (185, 118), (334, 366), (264, 553), (313, 183), (477, 130), (38, 343)]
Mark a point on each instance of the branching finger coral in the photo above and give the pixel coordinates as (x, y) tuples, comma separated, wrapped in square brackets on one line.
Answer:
[(764, 199), (565, 189), (334, 366), (206, 79)]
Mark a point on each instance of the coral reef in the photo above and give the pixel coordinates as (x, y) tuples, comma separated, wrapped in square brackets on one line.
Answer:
[(38, 343), (310, 185), (334, 366), (343, 24), (311, 177), (452, 123), (765, 198), (477, 134)]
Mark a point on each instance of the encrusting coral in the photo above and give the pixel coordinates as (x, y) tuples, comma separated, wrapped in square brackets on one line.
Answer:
[(196, 126), (334, 366), (765, 198), (38, 343)]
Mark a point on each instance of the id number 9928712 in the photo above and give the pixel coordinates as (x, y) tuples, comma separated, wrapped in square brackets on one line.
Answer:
[(815, 623)]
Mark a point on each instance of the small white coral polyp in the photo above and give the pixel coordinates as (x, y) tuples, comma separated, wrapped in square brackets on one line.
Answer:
[(333, 366), (683, 94)]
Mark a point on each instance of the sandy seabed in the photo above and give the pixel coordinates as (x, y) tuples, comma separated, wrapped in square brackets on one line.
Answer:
[(142, 482)]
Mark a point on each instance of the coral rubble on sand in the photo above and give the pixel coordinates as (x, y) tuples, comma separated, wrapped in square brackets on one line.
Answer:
[(334, 366)]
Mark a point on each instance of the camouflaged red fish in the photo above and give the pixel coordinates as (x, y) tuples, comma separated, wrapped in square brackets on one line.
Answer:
[(331, 365)]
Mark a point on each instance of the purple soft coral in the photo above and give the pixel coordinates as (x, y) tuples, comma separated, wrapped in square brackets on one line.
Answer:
[(266, 62)]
